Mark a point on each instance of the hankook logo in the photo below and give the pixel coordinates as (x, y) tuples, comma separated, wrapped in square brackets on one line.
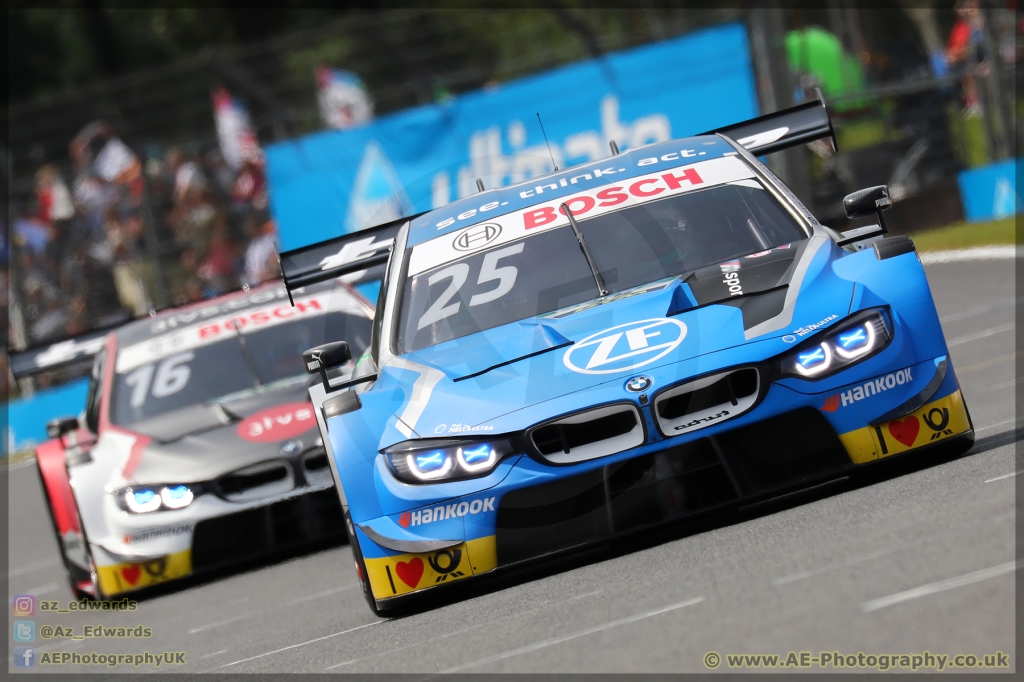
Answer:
[(473, 238), (625, 346)]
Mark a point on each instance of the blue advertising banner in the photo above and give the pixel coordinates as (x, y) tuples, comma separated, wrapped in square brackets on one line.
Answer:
[(991, 192), (335, 182), (27, 417)]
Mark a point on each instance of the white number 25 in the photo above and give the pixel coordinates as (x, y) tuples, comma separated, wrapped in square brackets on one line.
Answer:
[(459, 272)]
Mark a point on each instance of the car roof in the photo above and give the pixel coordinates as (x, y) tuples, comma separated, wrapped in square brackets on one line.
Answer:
[(465, 212), (226, 306)]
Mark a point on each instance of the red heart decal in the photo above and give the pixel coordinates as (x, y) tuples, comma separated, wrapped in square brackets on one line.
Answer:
[(410, 573), (131, 573), (905, 431)]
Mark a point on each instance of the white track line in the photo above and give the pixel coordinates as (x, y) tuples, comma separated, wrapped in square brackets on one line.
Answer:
[(318, 595), (296, 646), (999, 478), (941, 586), (976, 253), (982, 334), (226, 621), (490, 623), (996, 425), (575, 635)]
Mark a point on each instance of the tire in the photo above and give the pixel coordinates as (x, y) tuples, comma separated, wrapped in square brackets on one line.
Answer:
[(364, 577), (69, 568)]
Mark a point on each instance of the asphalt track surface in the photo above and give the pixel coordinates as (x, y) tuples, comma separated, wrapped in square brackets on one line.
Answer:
[(920, 558)]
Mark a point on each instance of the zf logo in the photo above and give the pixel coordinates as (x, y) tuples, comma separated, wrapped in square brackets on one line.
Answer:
[(445, 563), (626, 346), (474, 237)]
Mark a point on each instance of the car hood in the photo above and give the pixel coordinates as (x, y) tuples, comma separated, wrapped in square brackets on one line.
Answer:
[(487, 382), (202, 442)]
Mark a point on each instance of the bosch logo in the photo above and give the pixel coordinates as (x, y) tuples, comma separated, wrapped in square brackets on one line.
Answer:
[(473, 238), (625, 346)]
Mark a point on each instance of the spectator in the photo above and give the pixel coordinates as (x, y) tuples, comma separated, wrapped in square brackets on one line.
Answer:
[(965, 48), (218, 269), (261, 262), (86, 254)]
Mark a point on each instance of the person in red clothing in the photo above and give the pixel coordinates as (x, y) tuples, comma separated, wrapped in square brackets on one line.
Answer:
[(964, 48)]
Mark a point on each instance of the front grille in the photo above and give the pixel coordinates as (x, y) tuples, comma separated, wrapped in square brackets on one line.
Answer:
[(588, 435), (774, 454), (265, 479), (279, 526), (315, 461), (706, 401)]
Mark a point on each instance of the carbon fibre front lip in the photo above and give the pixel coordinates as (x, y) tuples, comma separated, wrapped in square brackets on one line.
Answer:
[(408, 546)]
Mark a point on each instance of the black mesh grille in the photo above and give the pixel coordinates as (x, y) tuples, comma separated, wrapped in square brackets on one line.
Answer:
[(238, 483), (777, 453), (315, 461), (254, 532), (784, 450)]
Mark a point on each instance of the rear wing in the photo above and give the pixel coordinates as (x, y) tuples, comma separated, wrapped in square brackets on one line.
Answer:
[(358, 256), (57, 355), (783, 129)]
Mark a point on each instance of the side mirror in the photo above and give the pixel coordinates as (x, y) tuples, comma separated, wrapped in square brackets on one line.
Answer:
[(866, 202), (328, 356), (58, 427)]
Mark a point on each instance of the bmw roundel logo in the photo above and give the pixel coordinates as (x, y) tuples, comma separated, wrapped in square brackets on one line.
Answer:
[(638, 384), (473, 238), (625, 346), (290, 447)]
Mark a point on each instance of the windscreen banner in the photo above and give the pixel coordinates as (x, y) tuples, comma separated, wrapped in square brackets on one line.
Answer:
[(340, 181)]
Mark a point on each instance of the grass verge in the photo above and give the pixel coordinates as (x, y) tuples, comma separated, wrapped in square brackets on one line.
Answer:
[(967, 235)]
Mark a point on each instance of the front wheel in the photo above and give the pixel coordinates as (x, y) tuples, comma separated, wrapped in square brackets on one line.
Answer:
[(357, 556)]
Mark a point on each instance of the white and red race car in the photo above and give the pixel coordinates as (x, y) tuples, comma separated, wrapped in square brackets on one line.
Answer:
[(198, 446)]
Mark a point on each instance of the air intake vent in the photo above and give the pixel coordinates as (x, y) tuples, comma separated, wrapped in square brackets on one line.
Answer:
[(589, 435), (706, 401), (315, 461), (261, 480)]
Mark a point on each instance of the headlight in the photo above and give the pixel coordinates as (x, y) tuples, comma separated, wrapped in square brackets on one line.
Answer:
[(151, 499), (849, 342), (431, 461), (176, 497)]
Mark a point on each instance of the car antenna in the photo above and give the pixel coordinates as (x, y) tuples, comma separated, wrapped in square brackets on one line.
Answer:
[(479, 185), (614, 147), (546, 141), (586, 252)]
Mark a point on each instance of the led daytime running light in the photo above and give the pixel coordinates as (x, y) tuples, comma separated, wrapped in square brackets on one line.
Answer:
[(429, 475), (142, 501), (476, 458), (176, 497), (863, 350), (817, 369)]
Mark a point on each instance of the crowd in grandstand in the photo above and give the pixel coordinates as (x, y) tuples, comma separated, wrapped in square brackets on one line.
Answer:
[(125, 233)]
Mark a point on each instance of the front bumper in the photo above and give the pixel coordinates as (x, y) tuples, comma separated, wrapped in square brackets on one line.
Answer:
[(791, 440), (207, 539)]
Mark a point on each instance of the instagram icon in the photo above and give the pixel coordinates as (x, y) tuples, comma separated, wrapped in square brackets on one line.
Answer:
[(24, 605)]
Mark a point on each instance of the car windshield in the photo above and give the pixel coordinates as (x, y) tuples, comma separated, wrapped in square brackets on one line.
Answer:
[(209, 372), (630, 247)]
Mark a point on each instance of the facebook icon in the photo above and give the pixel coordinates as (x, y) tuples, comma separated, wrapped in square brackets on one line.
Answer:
[(24, 657)]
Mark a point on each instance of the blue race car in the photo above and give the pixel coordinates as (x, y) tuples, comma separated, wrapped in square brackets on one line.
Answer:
[(617, 346)]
